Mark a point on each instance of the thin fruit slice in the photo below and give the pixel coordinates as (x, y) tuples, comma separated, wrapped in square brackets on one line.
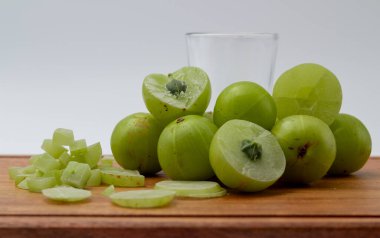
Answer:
[(186, 91), (189, 188), (143, 198), (63, 136), (308, 89), (66, 194), (122, 178), (220, 193), (245, 156), (76, 174)]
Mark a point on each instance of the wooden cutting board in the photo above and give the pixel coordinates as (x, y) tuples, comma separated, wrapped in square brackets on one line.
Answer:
[(331, 207)]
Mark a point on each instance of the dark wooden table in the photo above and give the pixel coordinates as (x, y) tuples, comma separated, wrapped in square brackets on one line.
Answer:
[(331, 207)]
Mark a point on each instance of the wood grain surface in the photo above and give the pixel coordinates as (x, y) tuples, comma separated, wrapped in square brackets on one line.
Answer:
[(331, 207)]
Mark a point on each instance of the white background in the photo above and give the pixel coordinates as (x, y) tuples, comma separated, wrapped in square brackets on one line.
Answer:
[(79, 64)]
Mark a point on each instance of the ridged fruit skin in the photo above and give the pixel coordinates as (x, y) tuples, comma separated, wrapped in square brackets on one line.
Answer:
[(183, 148), (308, 89), (308, 145), (134, 143), (353, 144)]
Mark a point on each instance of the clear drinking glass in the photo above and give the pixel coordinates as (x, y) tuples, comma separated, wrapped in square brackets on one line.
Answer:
[(229, 58)]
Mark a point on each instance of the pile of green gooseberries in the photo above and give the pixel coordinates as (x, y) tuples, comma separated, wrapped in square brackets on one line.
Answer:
[(251, 139)]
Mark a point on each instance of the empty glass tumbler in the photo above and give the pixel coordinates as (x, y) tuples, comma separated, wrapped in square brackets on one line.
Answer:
[(229, 58)]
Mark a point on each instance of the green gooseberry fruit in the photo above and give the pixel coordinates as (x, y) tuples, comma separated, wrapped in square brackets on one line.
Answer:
[(308, 145), (353, 144), (186, 91), (183, 148), (245, 156), (308, 89), (134, 143), (246, 101)]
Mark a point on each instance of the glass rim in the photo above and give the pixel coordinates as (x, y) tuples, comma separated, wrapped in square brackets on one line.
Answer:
[(233, 35)]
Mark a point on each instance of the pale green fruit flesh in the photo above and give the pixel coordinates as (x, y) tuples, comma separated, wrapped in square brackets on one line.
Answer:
[(353, 144), (308, 89), (122, 178), (167, 107), (109, 190), (93, 154), (52, 149), (143, 198), (37, 184), (95, 178), (64, 159), (78, 148), (66, 194), (234, 168), (199, 189), (246, 101), (23, 185), (220, 193), (76, 174), (183, 148), (309, 148), (14, 171), (134, 143), (45, 163), (63, 136)]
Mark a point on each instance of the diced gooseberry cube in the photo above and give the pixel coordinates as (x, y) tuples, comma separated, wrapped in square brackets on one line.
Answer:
[(94, 153), (29, 169), (46, 163), (33, 158), (95, 178), (78, 148), (106, 161), (54, 173), (63, 136), (52, 149), (64, 159), (14, 171), (76, 174), (23, 185), (20, 177), (109, 190), (37, 184)]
